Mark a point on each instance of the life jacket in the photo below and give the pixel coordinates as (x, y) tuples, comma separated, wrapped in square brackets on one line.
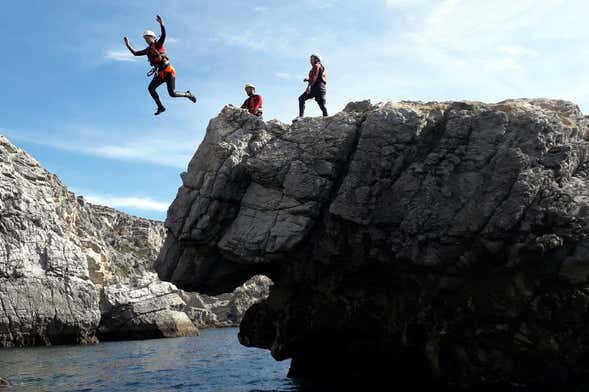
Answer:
[(321, 77), (322, 74), (156, 56), (250, 103)]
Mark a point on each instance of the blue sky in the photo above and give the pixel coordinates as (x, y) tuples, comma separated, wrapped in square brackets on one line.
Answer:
[(77, 101)]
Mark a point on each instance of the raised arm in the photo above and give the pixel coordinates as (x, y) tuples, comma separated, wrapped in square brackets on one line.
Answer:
[(142, 52), (162, 38)]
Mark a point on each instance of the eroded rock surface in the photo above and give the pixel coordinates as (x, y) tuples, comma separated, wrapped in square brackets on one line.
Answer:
[(225, 310), (445, 242), (152, 310), (71, 270), (46, 295)]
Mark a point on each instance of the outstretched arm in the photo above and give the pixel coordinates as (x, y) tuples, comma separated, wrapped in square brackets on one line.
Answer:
[(162, 38), (142, 52)]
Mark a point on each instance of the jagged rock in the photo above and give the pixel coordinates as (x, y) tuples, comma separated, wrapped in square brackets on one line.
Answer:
[(46, 295), (57, 252), (68, 266), (226, 310), (443, 242), (153, 311)]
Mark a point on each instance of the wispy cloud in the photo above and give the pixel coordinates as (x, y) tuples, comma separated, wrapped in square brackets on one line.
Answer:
[(431, 49), (284, 75), (404, 3), (171, 152), (119, 55), (130, 202), (163, 152)]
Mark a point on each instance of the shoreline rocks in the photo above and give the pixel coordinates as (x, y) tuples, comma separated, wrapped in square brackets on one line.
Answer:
[(71, 271), (150, 312)]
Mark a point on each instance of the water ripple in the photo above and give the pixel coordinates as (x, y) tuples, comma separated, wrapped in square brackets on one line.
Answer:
[(214, 361)]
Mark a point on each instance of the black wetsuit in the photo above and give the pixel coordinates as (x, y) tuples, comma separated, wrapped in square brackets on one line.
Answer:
[(156, 54), (170, 81), (318, 91)]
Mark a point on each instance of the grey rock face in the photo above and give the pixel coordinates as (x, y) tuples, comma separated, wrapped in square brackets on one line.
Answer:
[(445, 242), (226, 310), (70, 270), (151, 311), (46, 294)]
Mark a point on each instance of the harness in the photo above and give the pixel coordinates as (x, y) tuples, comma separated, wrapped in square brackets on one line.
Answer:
[(152, 54)]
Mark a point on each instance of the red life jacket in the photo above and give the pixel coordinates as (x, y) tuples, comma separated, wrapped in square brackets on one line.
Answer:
[(156, 54), (321, 77), (253, 104)]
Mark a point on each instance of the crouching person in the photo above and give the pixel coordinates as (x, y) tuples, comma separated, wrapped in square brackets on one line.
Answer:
[(253, 103)]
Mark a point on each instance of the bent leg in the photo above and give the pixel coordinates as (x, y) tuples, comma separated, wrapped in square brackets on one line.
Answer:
[(320, 99), (155, 83), (171, 83), (304, 96)]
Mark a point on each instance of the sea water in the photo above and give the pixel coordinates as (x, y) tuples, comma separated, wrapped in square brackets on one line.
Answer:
[(213, 361)]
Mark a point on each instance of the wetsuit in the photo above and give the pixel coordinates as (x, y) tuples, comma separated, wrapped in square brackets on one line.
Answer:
[(165, 73), (318, 85)]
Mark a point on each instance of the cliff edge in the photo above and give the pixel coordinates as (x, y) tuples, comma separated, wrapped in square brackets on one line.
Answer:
[(445, 242)]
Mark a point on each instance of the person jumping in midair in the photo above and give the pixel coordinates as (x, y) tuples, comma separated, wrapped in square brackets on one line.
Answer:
[(317, 86), (164, 72)]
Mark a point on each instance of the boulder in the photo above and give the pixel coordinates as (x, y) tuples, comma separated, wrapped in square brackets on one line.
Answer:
[(150, 312)]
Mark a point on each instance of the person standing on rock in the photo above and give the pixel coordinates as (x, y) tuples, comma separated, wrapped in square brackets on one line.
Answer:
[(253, 103), (162, 69), (317, 86)]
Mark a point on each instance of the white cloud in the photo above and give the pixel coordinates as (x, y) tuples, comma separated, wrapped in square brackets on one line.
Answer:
[(120, 55), (320, 5), (283, 75), (154, 151), (404, 3), (132, 202), (517, 51), (173, 152)]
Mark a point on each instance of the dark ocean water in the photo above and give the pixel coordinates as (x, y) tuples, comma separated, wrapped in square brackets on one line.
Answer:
[(213, 361)]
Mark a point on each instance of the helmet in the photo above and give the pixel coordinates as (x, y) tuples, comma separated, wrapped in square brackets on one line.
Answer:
[(317, 56), (149, 33), (249, 85)]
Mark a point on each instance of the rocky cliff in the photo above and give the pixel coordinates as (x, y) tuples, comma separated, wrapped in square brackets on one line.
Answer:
[(426, 242), (71, 271)]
